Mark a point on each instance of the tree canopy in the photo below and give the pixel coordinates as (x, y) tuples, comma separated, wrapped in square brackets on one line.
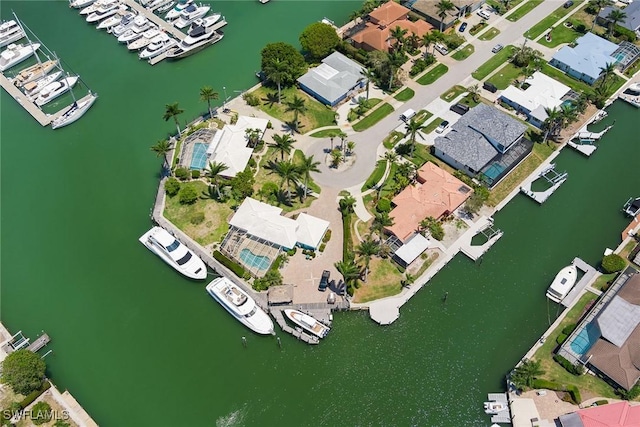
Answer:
[(23, 371), (288, 55), (318, 40)]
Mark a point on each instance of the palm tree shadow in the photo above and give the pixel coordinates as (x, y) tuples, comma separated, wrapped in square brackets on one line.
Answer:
[(270, 99)]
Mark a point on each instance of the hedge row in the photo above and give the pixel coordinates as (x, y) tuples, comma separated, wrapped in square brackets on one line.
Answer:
[(237, 269), (28, 400), (549, 385), (568, 366)]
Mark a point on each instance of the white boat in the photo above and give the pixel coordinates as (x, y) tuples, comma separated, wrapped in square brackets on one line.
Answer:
[(114, 20), (105, 12), (74, 112), (10, 31), (31, 89), (164, 7), (205, 22), (194, 42), (34, 72), (94, 6), (162, 243), (159, 44), (190, 14), (307, 322), (175, 12), (634, 89), (16, 53), (562, 284), (81, 4), (240, 305), (492, 407), (599, 116), (141, 25), (144, 40), (54, 90), (128, 21)]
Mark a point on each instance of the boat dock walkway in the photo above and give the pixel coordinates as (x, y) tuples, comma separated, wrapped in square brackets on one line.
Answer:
[(166, 26), (297, 332), (586, 149), (586, 140), (483, 226), (502, 417), (589, 274), (633, 100), (551, 176), (40, 342), (163, 56)]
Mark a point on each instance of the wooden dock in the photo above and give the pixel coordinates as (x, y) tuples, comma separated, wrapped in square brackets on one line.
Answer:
[(40, 342), (163, 56), (166, 26)]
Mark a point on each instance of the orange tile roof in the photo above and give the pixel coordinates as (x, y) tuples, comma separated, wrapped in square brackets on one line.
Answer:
[(419, 28), (388, 13), (373, 37), (619, 414), (436, 193)]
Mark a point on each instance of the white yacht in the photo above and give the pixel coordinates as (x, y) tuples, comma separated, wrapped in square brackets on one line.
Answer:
[(93, 7), (634, 89), (54, 90), (159, 44), (562, 284), (16, 53), (10, 31), (240, 305), (34, 72), (105, 12), (31, 89), (128, 21), (143, 41), (140, 25), (159, 241), (114, 20), (308, 323), (197, 40), (80, 4), (166, 6), (205, 22), (179, 7), (75, 111), (190, 14)]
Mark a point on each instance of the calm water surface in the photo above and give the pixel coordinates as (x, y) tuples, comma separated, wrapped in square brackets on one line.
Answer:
[(139, 346)]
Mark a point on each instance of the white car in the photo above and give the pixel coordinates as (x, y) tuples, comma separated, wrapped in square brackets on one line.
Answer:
[(483, 14), (443, 125)]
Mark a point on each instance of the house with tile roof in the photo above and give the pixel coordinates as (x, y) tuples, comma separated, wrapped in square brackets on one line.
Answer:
[(619, 414), (586, 60), (632, 20), (429, 10)]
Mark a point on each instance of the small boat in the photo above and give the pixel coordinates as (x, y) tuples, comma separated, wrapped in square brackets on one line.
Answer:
[(141, 25), (34, 72), (94, 6), (179, 7), (263, 1), (16, 53), (81, 4), (240, 305), (159, 44), (144, 40), (114, 19), (105, 12), (562, 284), (10, 31), (194, 42), (307, 323), (632, 207), (74, 112), (164, 7), (190, 14), (162, 243), (492, 407), (54, 90), (205, 22), (599, 116), (127, 22), (31, 89), (634, 89)]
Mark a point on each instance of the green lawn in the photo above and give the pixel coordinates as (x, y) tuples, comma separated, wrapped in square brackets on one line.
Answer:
[(547, 22), (373, 118), (489, 34), (405, 94), (421, 154), (463, 53), (432, 126), (375, 176), (633, 69), (453, 93), (392, 139), (297, 158), (317, 115), (433, 75), (325, 133), (498, 59), (526, 8), (558, 75), (560, 35), (422, 116), (505, 76), (383, 281), (601, 282)]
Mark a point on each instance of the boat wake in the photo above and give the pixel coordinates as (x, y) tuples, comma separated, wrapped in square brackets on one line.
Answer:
[(235, 418)]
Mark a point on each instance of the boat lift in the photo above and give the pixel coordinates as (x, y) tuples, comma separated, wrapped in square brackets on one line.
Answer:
[(632, 207), (18, 341), (552, 177)]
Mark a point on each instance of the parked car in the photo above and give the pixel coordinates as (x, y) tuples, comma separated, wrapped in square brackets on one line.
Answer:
[(497, 48), (459, 108), (443, 125), (567, 4), (490, 87), (463, 27), (483, 14), (406, 116), (441, 48), (324, 280)]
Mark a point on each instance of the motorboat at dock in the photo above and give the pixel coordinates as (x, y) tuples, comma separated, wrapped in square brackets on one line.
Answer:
[(307, 322), (177, 255), (16, 53), (205, 22), (141, 24), (31, 89), (105, 12), (194, 42), (54, 90), (74, 112), (190, 14), (10, 31), (34, 72), (179, 7), (127, 22), (562, 284), (115, 19), (159, 44), (493, 407), (143, 41)]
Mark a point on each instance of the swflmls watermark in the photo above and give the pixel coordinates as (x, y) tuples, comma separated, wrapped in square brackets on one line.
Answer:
[(37, 415)]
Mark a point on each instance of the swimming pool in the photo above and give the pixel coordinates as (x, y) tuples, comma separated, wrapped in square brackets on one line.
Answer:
[(199, 156), (585, 339), (250, 259), (493, 171)]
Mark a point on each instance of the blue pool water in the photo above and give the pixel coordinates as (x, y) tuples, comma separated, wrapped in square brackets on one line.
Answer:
[(567, 102), (199, 157), (252, 260), (585, 339), (493, 171)]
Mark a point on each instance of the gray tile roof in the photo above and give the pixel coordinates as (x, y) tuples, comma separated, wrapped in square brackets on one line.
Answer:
[(336, 76), (632, 21), (475, 138)]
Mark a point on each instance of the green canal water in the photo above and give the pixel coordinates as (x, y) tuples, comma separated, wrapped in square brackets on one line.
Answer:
[(138, 345)]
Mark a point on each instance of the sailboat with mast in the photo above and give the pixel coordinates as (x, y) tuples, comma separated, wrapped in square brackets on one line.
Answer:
[(75, 110), (36, 71)]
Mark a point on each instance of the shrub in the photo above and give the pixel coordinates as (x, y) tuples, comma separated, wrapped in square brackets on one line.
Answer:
[(601, 402), (327, 236), (561, 338), (384, 205), (197, 218), (251, 99), (419, 65), (322, 247), (453, 41), (549, 385), (29, 398), (624, 34), (41, 413), (195, 174), (613, 263), (292, 251), (269, 125), (252, 163), (568, 329), (237, 269), (234, 118), (172, 186), (188, 195), (242, 184), (181, 173), (568, 366)]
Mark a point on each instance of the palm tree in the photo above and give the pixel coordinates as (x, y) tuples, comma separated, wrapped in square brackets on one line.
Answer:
[(581, 103), (368, 75), (207, 94), (336, 157), (551, 122), (362, 106), (615, 16), (427, 39), (288, 173), (347, 203), (350, 147), (598, 5), (297, 105), (568, 114), (413, 40), (365, 251), (172, 111), (606, 72), (407, 280), (162, 148), (523, 55), (253, 135), (342, 137), (213, 172), (282, 144), (398, 34), (277, 71), (413, 129), (474, 91), (305, 167), (443, 7), (523, 375), (391, 157), (350, 272), (381, 220)]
